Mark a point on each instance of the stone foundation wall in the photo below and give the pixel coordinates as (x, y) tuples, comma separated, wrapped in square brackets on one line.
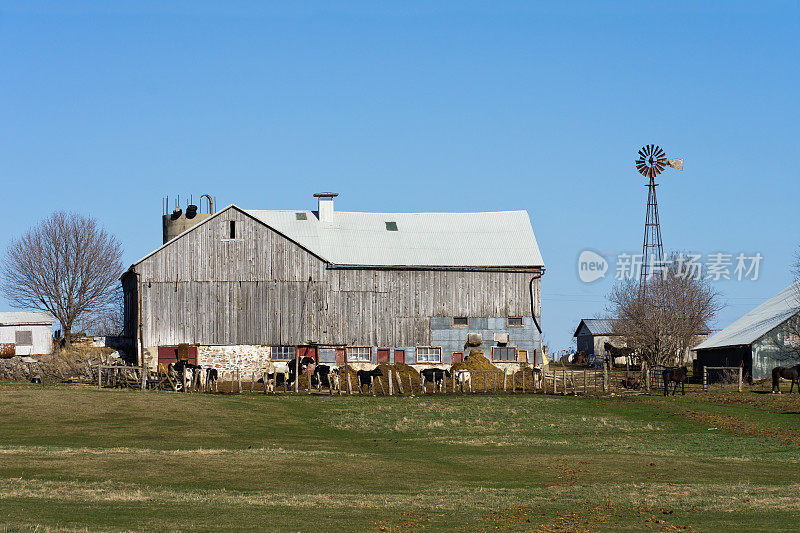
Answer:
[(245, 358)]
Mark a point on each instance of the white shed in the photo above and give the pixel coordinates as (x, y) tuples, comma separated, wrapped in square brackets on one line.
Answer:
[(31, 332)]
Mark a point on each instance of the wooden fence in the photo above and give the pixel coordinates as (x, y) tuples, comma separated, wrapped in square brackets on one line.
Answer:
[(554, 380)]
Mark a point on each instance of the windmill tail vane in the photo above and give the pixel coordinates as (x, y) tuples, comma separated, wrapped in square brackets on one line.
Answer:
[(677, 164)]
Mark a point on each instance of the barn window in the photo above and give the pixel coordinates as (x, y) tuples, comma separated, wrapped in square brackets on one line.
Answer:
[(283, 353), (327, 355), (359, 353), (429, 354), (232, 233), (514, 321), (503, 353), (300, 216), (460, 321), (391, 226), (23, 338)]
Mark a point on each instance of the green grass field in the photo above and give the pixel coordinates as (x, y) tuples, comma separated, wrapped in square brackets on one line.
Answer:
[(74, 457)]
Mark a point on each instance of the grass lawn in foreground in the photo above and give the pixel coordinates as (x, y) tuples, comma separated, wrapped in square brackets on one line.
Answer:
[(76, 457)]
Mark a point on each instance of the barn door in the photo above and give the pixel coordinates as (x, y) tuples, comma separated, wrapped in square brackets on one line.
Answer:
[(383, 355), (307, 351), (458, 357), (169, 354), (399, 356)]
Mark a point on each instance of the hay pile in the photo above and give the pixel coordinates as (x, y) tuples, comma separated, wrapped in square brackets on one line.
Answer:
[(405, 371), (476, 362)]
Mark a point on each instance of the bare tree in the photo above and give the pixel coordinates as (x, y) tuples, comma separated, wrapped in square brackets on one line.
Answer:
[(661, 319), (67, 265), (109, 320)]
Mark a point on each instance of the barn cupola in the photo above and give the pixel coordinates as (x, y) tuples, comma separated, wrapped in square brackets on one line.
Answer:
[(325, 208)]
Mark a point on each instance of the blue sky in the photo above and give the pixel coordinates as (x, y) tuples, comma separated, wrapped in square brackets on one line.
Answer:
[(416, 106)]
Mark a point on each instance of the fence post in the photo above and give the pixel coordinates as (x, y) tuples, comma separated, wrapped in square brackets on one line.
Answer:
[(390, 383), (399, 382), (308, 375), (564, 379), (705, 378), (585, 391), (605, 377), (740, 379), (523, 381), (410, 385)]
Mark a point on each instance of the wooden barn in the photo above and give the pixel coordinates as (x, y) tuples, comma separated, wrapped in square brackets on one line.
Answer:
[(244, 286), (762, 339)]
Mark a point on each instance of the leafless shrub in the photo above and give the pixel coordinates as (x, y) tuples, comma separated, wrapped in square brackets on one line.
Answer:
[(67, 265)]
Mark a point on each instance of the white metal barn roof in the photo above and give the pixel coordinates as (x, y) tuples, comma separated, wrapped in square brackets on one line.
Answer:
[(19, 318), (759, 321), (493, 239)]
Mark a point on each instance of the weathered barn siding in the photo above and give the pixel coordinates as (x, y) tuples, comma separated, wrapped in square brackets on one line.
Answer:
[(263, 289)]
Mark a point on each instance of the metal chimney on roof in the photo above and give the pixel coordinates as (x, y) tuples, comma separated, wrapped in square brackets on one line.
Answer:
[(325, 207)]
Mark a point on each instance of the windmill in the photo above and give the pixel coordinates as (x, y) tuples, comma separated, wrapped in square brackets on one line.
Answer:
[(651, 162)]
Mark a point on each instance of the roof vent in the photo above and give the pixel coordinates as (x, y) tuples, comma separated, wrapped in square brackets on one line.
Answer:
[(391, 226), (301, 216)]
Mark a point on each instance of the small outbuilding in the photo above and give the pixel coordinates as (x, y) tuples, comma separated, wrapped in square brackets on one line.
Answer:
[(593, 333), (762, 339), (26, 332)]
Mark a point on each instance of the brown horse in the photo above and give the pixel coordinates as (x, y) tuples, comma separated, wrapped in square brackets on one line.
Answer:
[(792, 374), (613, 351), (675, 375)]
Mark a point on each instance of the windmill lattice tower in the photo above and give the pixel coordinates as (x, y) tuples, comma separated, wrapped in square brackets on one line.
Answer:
[(651, 162)]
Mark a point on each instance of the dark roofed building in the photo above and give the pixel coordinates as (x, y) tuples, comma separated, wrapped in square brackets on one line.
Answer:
[(760, 340)]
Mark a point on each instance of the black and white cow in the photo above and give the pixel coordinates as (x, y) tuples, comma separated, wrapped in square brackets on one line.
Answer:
[(365, 377), (436, 375), (325, 376), (186, 373), (212, 379), (464, 379), (294, 364)]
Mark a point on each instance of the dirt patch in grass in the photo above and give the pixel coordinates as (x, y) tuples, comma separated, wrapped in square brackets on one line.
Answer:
[(741, 426), (781, 403)]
